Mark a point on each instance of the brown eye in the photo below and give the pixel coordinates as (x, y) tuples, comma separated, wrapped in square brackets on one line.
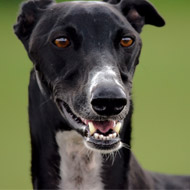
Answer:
[(126, 41), (62, 42)]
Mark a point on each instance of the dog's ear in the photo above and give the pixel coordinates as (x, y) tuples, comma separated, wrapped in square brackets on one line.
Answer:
[(139, 13), (28, 17)]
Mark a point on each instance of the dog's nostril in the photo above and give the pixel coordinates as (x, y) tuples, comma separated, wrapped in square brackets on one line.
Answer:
[(119, 108), (108, 106), (96, 106)]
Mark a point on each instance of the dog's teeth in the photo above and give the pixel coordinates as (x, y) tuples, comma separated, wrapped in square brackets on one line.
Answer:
[(96, 136), (101, 137), (114, 135), (104, 138), (91, 128), (117, 127), (111, 136), (83, 120)]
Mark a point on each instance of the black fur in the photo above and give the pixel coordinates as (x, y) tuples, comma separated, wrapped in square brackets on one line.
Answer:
[(95, 32)]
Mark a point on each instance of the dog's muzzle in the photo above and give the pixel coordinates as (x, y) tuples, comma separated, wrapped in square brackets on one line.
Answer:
[(102, 134)]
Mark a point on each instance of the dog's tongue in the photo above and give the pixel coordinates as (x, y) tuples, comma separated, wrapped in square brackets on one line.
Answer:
[(103, 126)]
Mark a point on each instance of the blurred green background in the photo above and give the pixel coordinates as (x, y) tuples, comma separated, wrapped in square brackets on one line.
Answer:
[(161, 93)]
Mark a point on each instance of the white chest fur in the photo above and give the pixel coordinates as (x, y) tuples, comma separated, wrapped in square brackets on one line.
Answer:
[(79, 168)]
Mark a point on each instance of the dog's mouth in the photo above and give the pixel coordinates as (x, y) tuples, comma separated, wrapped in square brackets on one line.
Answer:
[(101, 136)]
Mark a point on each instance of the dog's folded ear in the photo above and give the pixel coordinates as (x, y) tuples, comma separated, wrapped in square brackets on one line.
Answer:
[(29, 15), (139, 13)]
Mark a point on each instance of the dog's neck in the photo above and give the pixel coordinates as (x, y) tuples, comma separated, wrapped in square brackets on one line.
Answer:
[(79, 167)]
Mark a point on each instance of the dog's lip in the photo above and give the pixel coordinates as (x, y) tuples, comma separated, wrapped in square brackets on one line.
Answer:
[(103, 147), (101, 135), (73, 120)]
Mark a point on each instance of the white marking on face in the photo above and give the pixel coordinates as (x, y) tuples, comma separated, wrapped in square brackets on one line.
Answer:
[(79, 168), (88, 2), (106, 75)]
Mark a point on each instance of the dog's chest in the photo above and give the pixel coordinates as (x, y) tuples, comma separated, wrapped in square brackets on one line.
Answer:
[(79, 168)]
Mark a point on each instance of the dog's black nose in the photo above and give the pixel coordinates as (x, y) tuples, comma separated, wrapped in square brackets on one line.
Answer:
[(108, 101)]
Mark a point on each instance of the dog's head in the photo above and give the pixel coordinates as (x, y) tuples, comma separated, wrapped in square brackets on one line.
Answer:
[(84, 56)]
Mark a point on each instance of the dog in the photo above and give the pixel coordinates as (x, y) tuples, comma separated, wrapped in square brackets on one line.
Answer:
[(84, 57)]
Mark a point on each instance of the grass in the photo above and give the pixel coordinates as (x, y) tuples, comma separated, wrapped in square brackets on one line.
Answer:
[(161, 92)]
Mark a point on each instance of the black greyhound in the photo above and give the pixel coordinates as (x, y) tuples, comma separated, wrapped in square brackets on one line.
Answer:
[(84, 56)]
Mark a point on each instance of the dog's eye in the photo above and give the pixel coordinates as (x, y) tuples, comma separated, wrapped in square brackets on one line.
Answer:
[(62, 42), (126, 41)]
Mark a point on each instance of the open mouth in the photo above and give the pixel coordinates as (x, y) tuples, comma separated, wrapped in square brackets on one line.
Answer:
[(101, 136)]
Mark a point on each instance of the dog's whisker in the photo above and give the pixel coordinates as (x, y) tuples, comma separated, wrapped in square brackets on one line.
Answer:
[(83, 150), (108, 156), (113, 158), (43, 103), (89, 153), (124, 145), (119, 153)]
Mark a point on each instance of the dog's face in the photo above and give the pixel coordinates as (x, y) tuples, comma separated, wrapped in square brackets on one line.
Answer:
[(84, 55)]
